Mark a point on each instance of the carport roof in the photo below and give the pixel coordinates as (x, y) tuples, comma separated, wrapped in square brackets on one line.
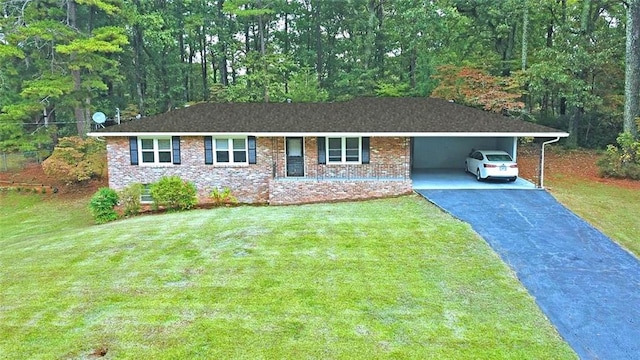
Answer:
[(362, 116)]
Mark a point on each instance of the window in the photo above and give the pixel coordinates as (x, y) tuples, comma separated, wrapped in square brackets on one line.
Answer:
[(230, 151), (343, 150), (156, 151), (145, 197), (239, 150)]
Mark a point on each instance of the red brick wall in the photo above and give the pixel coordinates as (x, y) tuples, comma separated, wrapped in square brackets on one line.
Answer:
[(389, 157), (286, 191), (248, 183), (255, 183)]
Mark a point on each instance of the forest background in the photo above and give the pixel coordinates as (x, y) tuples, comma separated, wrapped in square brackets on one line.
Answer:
[(555, 62)]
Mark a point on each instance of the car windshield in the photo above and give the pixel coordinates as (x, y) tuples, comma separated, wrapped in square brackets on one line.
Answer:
[(498, 157)]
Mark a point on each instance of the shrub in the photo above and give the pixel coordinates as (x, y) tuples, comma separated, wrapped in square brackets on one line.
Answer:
[(222, 197), (174, 193), (102, 204), (130, 199), (75, 160), (623, 160)]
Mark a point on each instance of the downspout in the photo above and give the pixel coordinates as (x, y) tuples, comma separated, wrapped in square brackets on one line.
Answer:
[(541, 178)]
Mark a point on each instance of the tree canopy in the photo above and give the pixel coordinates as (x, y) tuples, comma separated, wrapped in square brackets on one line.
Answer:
[(557, 62)]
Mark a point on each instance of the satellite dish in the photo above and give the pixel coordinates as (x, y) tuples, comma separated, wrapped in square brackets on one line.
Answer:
[(99, 118)]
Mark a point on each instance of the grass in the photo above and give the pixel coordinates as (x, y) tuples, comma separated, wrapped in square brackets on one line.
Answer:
[(613, 210), (393, 278)]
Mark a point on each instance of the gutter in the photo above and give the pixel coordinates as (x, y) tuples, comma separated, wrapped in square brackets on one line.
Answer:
[(327, 133), (541, 178)]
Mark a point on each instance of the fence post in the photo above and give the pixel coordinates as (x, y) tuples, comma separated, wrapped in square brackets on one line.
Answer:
[(4, 161)]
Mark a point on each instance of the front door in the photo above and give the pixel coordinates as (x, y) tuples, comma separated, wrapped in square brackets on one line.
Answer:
[(295, 156)]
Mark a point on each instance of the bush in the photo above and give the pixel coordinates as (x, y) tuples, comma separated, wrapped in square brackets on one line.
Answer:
[(75, 160), (102, 204), (222, 197), (623, 160), (130, 199), (174, 193)]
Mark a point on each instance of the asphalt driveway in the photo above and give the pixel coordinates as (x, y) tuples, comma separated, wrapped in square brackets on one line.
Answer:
[(587, 285)]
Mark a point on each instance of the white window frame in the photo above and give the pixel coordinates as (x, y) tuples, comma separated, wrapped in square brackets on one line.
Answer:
[(230, 150), (145, 196), (156, 151), (343, 150)]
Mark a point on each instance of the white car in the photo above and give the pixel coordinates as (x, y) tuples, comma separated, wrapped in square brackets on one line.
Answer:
[(491, 164)]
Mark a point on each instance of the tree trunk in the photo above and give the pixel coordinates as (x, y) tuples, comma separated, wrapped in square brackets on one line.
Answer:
[(379, 39), (318, 32), (186, 94), (525, 34), (575, 118), (632, 69), (78, 111), (138, 49), (204, 64), (224, 74), (507, 53), (286, 43), (263, 52)]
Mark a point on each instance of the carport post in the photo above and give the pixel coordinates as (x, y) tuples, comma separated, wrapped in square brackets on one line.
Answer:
[(541, 177)]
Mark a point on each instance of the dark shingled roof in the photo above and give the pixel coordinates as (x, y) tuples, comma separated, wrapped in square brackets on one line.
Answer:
[(362, 115)]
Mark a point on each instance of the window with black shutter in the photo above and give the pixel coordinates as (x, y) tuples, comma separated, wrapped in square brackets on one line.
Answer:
[(251, 144), (365, 150), (208, 150), (175, 140), (322, 155), (133, 150)]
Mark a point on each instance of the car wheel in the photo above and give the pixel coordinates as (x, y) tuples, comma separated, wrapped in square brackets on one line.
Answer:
[(512, 179), (478, 177)]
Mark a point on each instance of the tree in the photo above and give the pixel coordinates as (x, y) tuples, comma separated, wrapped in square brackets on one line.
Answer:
[(243, 9), (75, 160), (62, 60), (477, 88), (632, 68), (63, 57)]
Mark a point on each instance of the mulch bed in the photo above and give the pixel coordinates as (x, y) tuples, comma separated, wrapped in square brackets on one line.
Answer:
[(33, 178), (566, 165)]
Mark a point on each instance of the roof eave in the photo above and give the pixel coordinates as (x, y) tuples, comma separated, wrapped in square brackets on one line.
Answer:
[(559, 134)]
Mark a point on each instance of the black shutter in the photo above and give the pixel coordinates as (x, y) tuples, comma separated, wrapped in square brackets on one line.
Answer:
[(208, 150), (322, 153), (175, 141), (133, 149), (251, 144), (365, 150)]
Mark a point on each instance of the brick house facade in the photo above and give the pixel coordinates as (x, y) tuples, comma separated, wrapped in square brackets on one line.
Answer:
[(289, 153), (266, 181)]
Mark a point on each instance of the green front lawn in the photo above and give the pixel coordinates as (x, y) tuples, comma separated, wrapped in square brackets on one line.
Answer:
[(614, 210), (394, 278)]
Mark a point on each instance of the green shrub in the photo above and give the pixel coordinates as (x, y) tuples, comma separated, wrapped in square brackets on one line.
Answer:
[(130, 199), (75, 160), (222, 197), (102, 204), (623, 160), (174, 193)]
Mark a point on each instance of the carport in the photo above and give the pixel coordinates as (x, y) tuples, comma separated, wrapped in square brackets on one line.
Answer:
[(437, 160)]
